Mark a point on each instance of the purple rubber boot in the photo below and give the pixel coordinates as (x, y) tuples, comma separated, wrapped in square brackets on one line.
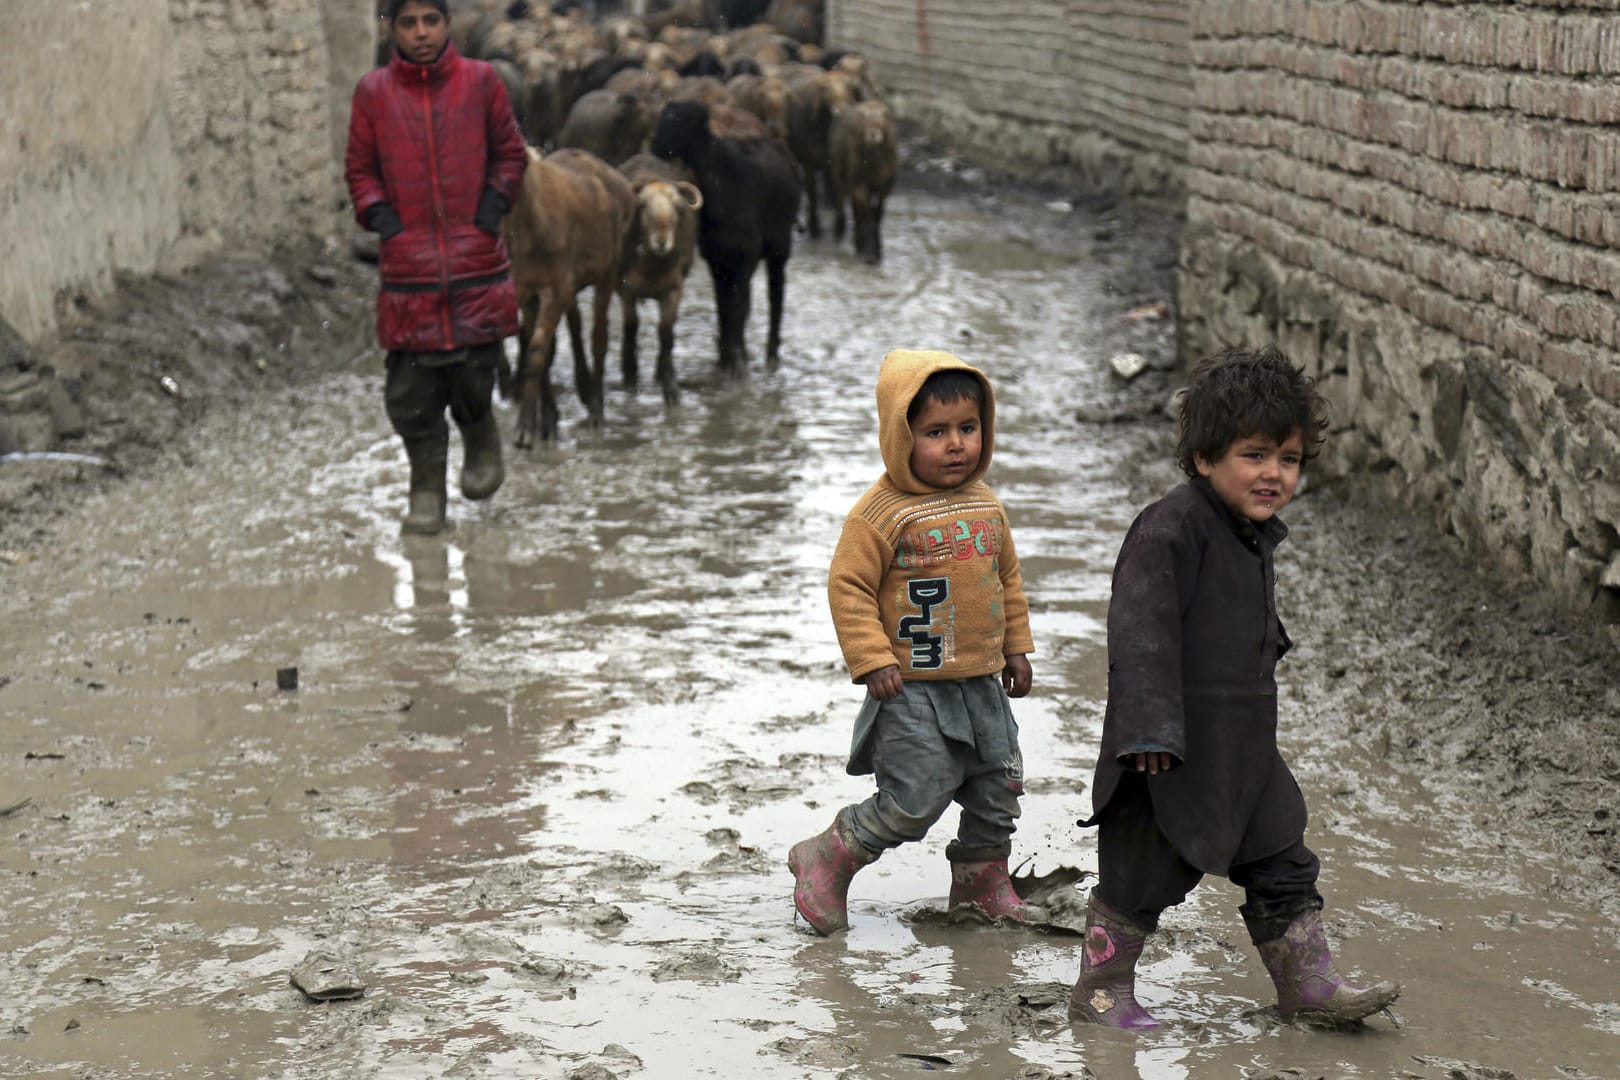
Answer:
[(822, 868), (986, 886), (1105, 993), (1309, 987)]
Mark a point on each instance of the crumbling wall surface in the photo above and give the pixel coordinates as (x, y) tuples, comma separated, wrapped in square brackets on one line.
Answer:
[(146, 134), (1421, 202), (1099, 88)]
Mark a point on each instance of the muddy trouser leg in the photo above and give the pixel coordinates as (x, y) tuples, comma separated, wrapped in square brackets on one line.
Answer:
[(1139, 873), (1278, 889), (471, 385), (989, 796), (416, 396), (918, 772)]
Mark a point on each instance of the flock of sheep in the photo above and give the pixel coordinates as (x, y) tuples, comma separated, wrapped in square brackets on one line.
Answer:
[(659, 137)]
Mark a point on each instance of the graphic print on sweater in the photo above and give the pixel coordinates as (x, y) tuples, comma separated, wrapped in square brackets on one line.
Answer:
[(929, 650)]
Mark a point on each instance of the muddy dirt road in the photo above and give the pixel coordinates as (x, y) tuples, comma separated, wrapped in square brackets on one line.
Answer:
[(539, 777)]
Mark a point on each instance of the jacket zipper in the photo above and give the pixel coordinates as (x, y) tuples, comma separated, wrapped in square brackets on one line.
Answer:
[(438, 214)]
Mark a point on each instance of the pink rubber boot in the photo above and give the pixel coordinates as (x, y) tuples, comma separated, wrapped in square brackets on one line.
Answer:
[(822, 868), (1105, 993), (1309, 986), (986, 886)]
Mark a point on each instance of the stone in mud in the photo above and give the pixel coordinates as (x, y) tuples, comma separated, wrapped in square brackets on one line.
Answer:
[(325, 976)]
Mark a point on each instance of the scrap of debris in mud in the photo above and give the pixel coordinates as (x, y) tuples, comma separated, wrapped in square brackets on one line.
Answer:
[(324, 976)]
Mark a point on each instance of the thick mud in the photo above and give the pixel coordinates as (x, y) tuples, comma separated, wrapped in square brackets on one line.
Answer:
[(537, 782)]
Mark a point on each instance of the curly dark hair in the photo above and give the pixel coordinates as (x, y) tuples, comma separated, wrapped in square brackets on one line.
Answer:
[(1238, 393)]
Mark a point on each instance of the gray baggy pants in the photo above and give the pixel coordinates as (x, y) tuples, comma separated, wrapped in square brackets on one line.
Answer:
[(938, 743)]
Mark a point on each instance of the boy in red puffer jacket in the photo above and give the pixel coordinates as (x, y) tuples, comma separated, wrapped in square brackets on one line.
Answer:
[(434, 161)]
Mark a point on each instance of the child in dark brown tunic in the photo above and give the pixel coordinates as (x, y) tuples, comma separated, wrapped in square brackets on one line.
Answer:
[(1189, 781)]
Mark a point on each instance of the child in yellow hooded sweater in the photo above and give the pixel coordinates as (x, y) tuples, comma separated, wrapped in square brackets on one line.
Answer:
[(930, 612)]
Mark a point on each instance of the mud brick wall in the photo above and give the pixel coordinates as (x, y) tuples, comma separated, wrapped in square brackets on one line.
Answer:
[(1097, 88), (141, 135), (1421, 202)]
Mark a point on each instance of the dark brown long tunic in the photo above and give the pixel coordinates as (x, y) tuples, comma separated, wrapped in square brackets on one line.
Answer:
[(1193, 644)]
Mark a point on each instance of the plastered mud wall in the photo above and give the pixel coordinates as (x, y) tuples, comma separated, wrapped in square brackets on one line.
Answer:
[(141, 135), (1421, 202), (1099, 89)]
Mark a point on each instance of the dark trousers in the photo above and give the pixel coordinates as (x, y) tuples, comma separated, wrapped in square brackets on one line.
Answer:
[(1139, 872), (420, 386)]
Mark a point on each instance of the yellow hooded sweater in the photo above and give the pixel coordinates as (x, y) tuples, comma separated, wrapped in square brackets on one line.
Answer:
[(924, 577)]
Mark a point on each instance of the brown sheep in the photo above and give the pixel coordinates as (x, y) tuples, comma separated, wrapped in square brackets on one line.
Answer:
[(565, 232), (864, 158), (815, 94), (658, 252), (730, 122), (610, 124), (705, 89), (801, 20), (766, 96)]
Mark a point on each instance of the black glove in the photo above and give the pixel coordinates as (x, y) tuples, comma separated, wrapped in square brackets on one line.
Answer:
[(383, 219), (492, 207)]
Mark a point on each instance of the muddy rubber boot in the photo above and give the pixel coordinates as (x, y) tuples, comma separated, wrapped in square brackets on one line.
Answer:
[(481, 468), (822, 868), (425, 517), (987, 887), (1309, 986), (1105, 992)]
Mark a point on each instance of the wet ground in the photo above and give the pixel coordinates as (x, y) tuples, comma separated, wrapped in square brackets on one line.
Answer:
[(539, 777)]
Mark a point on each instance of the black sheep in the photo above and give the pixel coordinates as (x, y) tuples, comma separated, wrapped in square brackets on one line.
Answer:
[(751, 193)]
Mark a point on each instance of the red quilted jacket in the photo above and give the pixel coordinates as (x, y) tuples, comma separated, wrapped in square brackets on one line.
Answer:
[(428, 139)]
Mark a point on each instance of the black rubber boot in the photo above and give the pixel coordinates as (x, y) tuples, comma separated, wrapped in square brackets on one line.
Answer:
[(425, 517), (481, 468)]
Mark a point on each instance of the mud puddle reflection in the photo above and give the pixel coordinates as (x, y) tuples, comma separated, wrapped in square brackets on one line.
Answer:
[(540, 777)]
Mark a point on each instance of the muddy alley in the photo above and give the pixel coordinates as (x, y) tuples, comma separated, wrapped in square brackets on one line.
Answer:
[(538, 778)]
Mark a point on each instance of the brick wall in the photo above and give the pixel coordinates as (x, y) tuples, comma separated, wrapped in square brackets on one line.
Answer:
[(1421, 202), (145, 134), (1100, 88)]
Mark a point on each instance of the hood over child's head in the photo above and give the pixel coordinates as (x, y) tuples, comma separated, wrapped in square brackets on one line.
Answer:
[(901, 380)]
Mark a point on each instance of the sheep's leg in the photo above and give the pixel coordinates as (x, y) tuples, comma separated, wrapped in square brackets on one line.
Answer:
[(503, 370), (669, 306), (724, 276), (812, 209), (776, 288), (538, 409), (628, 361), (511, 383), (601, 299), (582, 369), (836, 198), (861, 209)]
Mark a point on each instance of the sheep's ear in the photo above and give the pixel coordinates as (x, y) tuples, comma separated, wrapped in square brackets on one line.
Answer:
[(690, 193)]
